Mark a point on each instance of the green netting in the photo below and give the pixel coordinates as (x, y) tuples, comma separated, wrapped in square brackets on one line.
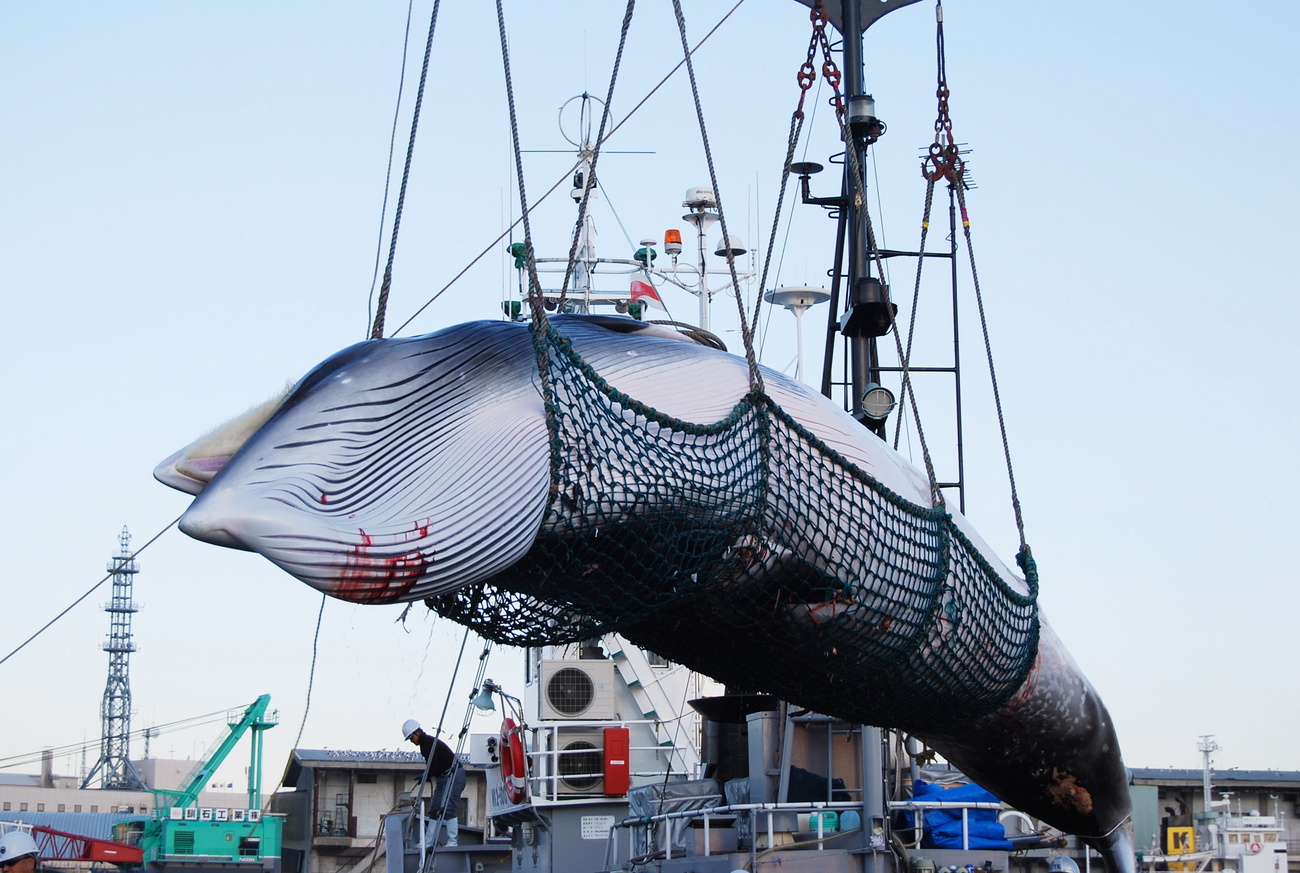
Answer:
[(752, 552)]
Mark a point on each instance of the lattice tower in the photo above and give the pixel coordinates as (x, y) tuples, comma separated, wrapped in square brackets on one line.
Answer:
[(114, 768)]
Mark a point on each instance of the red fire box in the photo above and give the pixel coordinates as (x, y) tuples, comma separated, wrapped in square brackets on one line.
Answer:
[(618, 771)]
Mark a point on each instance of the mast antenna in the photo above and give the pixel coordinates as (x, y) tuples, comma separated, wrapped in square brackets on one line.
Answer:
[(114, 768)]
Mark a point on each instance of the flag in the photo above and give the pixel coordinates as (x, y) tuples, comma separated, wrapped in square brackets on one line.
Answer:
[(644, 292)]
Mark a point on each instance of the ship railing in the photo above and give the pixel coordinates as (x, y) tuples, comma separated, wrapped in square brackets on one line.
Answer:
[(561, 774), (766, 814), (918, 808)]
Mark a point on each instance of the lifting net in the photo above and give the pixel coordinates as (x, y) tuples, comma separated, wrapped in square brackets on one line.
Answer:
[(750, 551)]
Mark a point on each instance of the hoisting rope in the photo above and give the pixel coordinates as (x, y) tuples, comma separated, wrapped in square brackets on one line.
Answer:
[(539, 320), (589, 184), (431, 858), (568, 174), (1025, 557), (381, 306), (746, 328), (806, 76), (944, 162), (859, 194)]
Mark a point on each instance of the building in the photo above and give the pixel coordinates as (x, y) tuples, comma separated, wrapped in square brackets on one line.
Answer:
[(1164, 799), (335, 804)]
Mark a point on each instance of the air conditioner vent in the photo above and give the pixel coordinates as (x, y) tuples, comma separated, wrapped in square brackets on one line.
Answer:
[(573, 690), (580, 765)]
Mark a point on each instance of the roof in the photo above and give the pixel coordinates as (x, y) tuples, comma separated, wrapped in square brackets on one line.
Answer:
[(348, 760), (98, 825), (1219, 777)]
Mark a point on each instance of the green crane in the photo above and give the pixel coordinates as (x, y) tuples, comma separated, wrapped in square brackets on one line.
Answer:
[(182, 833)]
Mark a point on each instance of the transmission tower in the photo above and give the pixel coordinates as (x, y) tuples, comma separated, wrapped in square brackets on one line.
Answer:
[(114, 768)]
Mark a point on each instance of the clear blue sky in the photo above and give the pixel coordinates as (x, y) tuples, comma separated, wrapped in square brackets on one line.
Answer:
[(189, 210)]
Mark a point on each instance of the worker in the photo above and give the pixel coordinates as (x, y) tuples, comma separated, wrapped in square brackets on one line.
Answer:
[(440, 765), (18, 853)]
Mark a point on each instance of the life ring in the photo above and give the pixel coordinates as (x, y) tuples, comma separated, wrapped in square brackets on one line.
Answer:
[(1255, 848), (514, 766)]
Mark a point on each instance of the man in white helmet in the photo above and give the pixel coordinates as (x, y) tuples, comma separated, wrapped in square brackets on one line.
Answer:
[(18, 852), (449, 781)]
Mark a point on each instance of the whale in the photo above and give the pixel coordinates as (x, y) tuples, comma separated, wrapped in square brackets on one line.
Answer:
[(425, 468)]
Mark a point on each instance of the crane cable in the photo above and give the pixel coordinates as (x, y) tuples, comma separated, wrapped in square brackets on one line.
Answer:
[(121, 563), (944, 162), (746, 327), (595, 152), (381, 306)]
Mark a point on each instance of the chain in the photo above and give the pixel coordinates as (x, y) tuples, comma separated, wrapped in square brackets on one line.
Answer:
[(944, 158)]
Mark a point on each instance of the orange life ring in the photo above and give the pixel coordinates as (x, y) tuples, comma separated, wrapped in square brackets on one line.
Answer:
[(514, 766), (1255, 848)]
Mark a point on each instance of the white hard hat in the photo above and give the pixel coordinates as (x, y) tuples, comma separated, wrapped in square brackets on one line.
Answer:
[(409, 727), (16, 845), (1063, 864)]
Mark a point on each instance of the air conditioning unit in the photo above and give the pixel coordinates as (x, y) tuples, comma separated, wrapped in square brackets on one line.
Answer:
[(580, 762), (577, 690)]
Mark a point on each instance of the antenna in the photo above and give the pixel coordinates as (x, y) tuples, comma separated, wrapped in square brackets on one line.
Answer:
[(114, 768)]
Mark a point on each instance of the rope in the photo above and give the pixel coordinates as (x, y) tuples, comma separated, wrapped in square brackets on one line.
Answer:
[(92, 589), (993, 379), (311, 682), (916, 290), (746, 329), (806, 76), (424, 777), (569, 173), (858, 193), (388, 171), (377, 331), (595, 152)]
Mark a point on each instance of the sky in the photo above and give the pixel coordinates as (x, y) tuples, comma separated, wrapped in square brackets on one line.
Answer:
[(190, 211)]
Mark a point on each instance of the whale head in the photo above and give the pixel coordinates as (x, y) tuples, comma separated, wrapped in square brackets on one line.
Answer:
[(394, 470)]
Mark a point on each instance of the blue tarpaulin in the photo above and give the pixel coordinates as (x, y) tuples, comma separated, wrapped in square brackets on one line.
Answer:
[(943, 826)]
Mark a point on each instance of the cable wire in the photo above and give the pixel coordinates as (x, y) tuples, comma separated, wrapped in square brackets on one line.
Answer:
[(121, 562)]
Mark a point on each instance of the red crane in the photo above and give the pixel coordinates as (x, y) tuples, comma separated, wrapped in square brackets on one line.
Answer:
[(61, 846)]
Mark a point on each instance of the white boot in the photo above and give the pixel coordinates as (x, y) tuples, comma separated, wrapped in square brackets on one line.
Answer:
[(453, 831)]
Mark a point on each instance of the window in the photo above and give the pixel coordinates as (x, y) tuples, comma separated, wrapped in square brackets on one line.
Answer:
[(94, 807), (8, 806), (22, 807), (367, 778), (62, 808), (76, 807)]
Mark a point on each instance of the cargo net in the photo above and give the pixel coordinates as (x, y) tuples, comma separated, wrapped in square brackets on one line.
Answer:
[(750, 551)]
